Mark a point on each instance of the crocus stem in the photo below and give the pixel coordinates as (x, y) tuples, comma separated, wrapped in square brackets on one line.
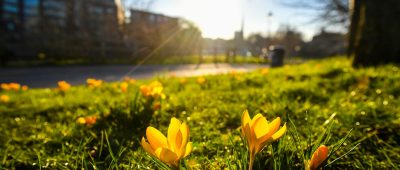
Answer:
[(251, 164), (251, 161), (176, 166)]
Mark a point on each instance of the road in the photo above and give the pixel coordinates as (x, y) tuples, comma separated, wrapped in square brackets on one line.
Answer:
[(38, 77)]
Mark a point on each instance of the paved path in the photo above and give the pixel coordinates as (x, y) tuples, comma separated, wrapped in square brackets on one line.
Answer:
[(48, 76)]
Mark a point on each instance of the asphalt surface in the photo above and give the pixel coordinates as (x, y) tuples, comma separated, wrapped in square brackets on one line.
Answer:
[(38, 77)]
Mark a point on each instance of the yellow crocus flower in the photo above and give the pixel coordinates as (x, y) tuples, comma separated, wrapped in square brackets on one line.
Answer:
[(154, 89), (4, 98), (5, 86), (259, 133), (14, 86), (146, 90), (89, 120), (129, 80), (264, 71), (168, 149), (24, 88), (317, 158), (11, 86), (124, 87), (81, 120), (93, 83), (201, 80), (63, 86)]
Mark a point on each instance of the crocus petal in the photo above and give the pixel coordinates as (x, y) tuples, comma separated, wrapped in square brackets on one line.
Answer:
[(247, 133), (249, 137), (156, 138), (188, 149), (178, 142), (257, 116), (166, 155), (261, 127), (245, 119), (146, 146), (263, 140), (172, 132), (280, 133), (184, 129), (253, 125), (318, 157), (273, 127)]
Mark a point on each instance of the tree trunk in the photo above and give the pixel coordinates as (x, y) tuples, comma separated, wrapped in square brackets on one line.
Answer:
[(375, 32)]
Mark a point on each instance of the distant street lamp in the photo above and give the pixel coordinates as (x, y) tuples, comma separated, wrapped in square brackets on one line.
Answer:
[(269, 18)]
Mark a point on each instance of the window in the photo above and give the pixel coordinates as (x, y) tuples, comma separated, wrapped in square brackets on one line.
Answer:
[(8, 16), (55, 13), (56, 22), (31, 7), (59, 5), (11, 26), (13, 8), (31, 23), (11, 1), (152, 18), (31, 2), (31, 11), (110, 10), (54, 8), (95, 10), (134, 16)]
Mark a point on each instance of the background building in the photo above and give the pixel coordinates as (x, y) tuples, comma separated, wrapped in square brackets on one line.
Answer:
[(215, 46), (60, 28), (325, 44), (146, 31), (91, 31)]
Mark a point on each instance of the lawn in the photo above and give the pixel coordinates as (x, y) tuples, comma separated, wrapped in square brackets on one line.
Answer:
[(355, 112), (151, 60)]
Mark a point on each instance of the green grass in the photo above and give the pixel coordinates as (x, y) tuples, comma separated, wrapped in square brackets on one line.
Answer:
[(194, 59), (152, 60), (39, 129)]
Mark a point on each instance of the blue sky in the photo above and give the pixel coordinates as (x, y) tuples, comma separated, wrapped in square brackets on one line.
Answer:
[(220, 18)]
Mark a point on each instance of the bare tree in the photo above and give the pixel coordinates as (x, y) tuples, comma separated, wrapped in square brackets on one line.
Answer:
[(330, 12), (374, 27), (290, 38), (374, 32)]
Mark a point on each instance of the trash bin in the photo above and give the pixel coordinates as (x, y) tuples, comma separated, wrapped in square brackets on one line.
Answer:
[(276, 55)]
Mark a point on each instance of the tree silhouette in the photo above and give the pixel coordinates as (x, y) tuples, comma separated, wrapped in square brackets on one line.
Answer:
[(374, 32)]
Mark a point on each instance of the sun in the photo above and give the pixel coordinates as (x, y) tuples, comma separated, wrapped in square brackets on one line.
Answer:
[(215, 18)]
